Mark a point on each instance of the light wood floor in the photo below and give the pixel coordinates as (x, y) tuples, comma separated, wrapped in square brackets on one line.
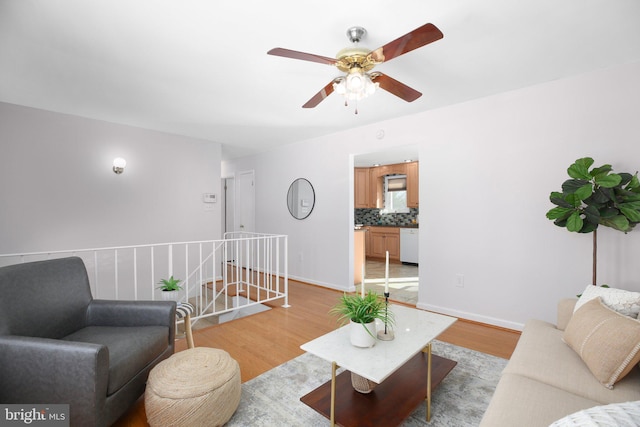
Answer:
[(263, 341)]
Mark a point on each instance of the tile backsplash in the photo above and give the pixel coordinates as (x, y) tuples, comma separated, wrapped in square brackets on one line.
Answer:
[(373, 217)]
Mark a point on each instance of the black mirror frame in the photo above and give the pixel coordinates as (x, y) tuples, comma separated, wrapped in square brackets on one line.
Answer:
[(289, 196)]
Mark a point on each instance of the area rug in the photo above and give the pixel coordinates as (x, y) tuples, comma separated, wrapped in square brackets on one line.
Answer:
[(273, 398)]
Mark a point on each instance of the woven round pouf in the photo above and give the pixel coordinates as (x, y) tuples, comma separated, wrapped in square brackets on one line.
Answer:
[(195, 387)]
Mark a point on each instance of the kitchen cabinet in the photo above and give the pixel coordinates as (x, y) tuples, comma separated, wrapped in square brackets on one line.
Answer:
[(376, 187), (369, 184), (362, 181), (383, 239), (412, 184), (397, 168), (367, 241)]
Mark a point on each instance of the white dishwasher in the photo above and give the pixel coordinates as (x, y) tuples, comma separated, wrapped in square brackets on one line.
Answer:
[(409, 245)]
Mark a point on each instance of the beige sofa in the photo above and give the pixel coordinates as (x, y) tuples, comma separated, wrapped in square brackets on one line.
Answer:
[(546, 380)]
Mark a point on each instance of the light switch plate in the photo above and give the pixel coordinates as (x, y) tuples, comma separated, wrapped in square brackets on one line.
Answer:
[(209, 197)]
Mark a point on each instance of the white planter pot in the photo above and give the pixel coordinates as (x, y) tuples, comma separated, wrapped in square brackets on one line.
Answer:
[(360, 337), (170, 295)]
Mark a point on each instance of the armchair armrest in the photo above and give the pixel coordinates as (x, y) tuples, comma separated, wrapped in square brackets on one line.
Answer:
[(43, 370), (565, 311), (133, 313)]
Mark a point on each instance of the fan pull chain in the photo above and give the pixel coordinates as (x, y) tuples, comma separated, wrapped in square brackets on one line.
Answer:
[(346, 104)]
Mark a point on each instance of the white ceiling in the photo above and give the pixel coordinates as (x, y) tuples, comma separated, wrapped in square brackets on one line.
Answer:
[(199, 67)]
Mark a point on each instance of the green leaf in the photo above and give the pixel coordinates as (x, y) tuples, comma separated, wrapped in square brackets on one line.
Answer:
[(573, 199), (626, 178), (628, 196), (591, 215), (632, 214), (609, 212), (561, 222), (602, 170), (618, 222), (559, 212), (558, 199), (631, 205), (574, 222), (599, 196), (588, 227), (570, 186), (584, 191), (608, 181), (580, 169), (634, 183)]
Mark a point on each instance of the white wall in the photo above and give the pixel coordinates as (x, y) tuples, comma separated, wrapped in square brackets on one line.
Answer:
[(486, 170), (58, 191)]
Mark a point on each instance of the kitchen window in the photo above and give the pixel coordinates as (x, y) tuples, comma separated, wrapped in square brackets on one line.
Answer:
[(395, 194)]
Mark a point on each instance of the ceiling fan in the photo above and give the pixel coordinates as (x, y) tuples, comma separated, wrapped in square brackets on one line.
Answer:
[(357, 62)]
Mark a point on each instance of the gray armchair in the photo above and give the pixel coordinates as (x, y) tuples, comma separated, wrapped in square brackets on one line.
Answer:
[(60, 346)]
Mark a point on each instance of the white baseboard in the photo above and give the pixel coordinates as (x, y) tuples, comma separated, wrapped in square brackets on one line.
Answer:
[(472, 316), (352, 288), (437, 309)]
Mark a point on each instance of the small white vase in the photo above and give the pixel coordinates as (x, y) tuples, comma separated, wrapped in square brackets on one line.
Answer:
[(170, 295), (360, 337)]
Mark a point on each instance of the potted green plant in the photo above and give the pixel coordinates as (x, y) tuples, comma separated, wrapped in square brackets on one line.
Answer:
[(362, 312), (594, 197), (170, 288)]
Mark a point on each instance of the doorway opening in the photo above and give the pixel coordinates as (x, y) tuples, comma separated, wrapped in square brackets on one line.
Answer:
[(404, 275), (403, 280)]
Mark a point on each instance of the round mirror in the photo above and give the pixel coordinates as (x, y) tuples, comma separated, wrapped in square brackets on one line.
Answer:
[(301, 198)]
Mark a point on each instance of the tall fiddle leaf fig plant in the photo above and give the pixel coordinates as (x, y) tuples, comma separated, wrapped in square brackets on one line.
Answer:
[(594, 197)]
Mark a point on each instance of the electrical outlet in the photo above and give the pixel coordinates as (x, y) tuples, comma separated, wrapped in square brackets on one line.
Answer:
[(460, 280)]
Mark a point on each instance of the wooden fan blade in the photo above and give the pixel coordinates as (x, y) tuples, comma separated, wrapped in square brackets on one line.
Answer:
[(393, 86), (419, 37), (287, 53), (320, 96)]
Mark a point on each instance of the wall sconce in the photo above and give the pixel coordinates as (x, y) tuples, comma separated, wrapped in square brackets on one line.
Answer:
[(118, 165)]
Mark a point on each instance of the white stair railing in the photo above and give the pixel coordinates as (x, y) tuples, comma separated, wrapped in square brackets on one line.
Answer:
[(237, 273)]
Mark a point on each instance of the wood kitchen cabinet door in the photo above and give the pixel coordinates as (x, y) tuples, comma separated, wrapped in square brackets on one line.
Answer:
[(412, 184), (378, 245), (361, 188), (383, 239), (393, 246)]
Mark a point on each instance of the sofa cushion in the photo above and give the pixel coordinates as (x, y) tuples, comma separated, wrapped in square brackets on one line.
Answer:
[(625, 302), (523, 402), (130, 348), (542, 356), (607, 341), (612, 415)]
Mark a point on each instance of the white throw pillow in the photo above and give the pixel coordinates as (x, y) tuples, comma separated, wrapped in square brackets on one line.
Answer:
[(624, 302), (612, 415)]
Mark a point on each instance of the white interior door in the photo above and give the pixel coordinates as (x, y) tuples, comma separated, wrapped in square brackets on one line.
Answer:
[(245, 216), (229, 185)]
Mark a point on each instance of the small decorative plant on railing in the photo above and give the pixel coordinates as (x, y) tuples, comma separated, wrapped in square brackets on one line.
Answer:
[(596, 197), (170, 284)]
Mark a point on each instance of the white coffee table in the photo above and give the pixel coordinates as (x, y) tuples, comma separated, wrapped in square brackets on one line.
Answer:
[(414, 330)]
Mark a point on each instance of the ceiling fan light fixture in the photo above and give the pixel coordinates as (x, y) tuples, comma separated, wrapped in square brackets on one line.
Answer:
[(357, 62), (340, 86), (355, 82), (355, 86)]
